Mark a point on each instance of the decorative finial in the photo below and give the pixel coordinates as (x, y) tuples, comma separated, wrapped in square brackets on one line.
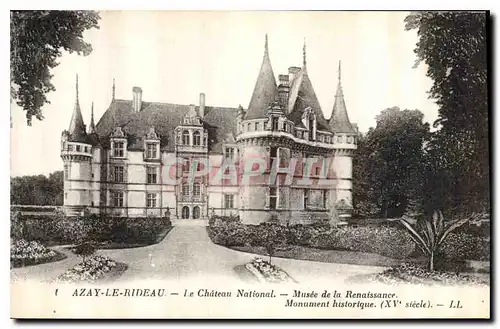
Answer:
[(113, 91), (304, 52), (266, 48), (340, 68), (76, 87)]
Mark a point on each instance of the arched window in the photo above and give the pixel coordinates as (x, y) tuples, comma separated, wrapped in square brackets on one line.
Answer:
[(185, 137), (196, 212), (185, 212), (196, 138)]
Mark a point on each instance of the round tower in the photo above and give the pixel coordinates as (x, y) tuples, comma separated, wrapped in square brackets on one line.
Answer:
[(345, 144), (76, 153)]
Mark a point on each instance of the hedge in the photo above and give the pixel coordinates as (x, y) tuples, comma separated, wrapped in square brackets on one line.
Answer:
[(58, 229), (388, 241)]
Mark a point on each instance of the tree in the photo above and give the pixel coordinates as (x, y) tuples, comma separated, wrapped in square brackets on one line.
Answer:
[(364, 194), (453, 45), (37, 39), (390, 161), (38, 190)]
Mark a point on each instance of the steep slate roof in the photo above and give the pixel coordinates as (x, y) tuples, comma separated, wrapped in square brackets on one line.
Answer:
[(165, 117), (339, 121), (76, 128), (302, 95), (265, 91)]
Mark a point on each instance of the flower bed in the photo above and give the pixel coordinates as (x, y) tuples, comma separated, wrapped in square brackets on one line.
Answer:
[(412, 273), (93, 269), (24, 253), (266, 272)]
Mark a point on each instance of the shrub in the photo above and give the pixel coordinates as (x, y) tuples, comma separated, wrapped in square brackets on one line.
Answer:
[(85, 250), (58, 229), (462, 246), (383, 240)]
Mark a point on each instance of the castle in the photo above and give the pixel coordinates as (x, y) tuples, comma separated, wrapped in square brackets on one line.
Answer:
[(123, 165)]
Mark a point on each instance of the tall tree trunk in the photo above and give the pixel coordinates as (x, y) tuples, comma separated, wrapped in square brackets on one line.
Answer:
[(431, 262)]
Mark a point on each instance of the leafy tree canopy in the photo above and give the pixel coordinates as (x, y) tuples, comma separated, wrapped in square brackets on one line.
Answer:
[(453, 45), (37, 39), (38, 190), (389, 163)]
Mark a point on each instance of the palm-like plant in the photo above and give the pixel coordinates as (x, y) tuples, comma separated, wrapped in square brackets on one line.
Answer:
[(429, 233)]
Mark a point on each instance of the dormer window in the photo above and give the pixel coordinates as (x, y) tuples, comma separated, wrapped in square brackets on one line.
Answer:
[(151, 151), (118, 143), (185, 137), (229, 153), (196, 138), (118, 149), (275, 123)]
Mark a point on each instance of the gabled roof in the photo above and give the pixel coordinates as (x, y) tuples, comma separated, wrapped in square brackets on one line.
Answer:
[(165, 117), (265, 91), (301, 96), (339, 121)]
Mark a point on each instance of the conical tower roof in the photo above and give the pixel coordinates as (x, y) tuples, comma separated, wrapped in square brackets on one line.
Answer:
[(265, 91), (76, 125), (339, 121)]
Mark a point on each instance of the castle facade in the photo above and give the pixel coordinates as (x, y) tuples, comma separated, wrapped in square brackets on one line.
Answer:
[(279, 159)]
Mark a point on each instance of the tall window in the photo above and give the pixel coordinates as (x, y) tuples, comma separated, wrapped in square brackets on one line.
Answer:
[(78, 148), (311, 127), (118, 148), (66, 171), (152, 175), (273, 197), (229, 201), (70, 148), (196, 138), (185, 189), (306, 198), (229, 153), (275, 123), (151, 151), (151, 200), (118, 198), (196, 190), (186, 165), (185, 137), (118, 175), (273, 156)]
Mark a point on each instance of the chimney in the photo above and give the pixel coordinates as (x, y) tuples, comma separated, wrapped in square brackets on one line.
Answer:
[(137, 98), (283, 90), (201, 111), (292, 72)]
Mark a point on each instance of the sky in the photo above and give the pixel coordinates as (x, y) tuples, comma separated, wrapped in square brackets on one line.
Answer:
[(173, 56)]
